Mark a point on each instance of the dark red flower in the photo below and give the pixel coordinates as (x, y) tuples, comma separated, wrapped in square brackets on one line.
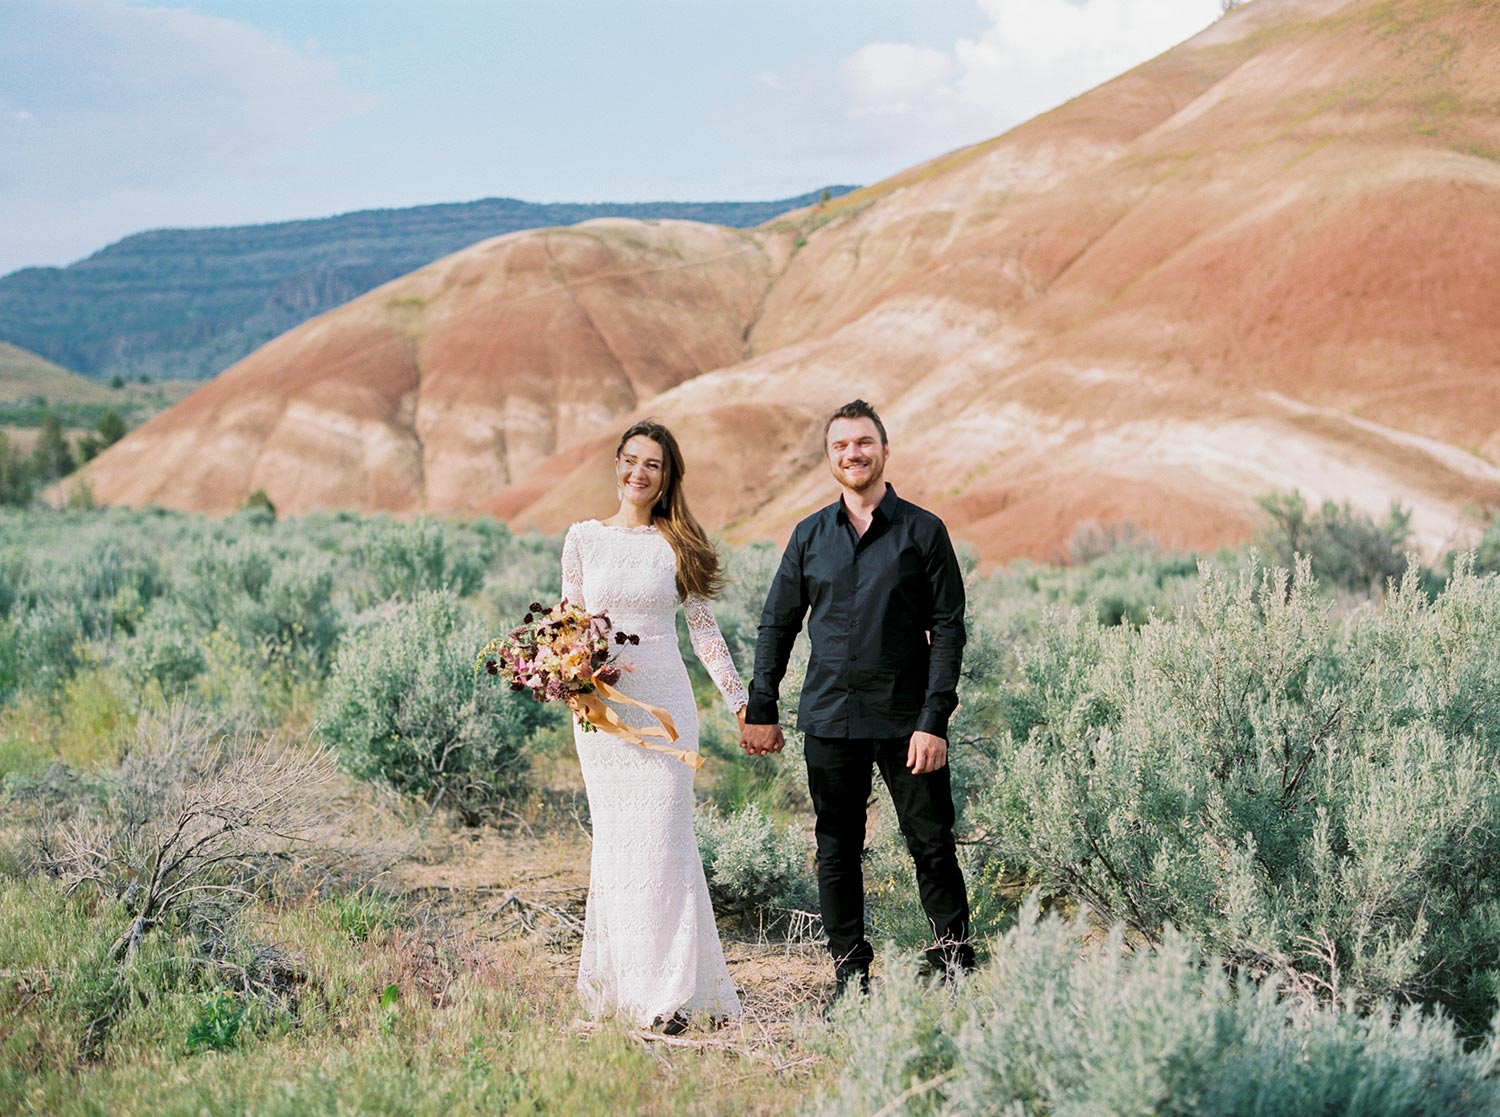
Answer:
[(489, 665), (634, 639)]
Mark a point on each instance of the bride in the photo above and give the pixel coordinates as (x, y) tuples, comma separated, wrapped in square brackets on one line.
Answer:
[(650, 947)]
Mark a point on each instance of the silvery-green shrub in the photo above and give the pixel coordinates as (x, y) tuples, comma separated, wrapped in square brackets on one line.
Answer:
[(1312, 798), (10, 660), (1064, 1022), (404, 705), (167, 649), (519, 572), (751, 863), (49, 645), (12, 570), (275, 603), (404, 560)]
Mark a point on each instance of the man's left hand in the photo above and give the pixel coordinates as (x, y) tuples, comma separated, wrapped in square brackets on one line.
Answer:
[(926, 753)]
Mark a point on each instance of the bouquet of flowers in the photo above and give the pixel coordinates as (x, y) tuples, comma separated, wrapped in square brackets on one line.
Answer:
[(555, 653), (566, 654)]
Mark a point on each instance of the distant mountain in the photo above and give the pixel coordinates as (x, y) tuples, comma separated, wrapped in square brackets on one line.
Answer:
[(187, 303), (1268, 258)]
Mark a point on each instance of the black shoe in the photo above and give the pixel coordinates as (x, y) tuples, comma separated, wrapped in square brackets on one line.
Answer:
[(673, 1025), (950, 962), (848, 981)]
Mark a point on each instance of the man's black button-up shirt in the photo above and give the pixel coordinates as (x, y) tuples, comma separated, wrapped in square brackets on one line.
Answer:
[(874, 600)]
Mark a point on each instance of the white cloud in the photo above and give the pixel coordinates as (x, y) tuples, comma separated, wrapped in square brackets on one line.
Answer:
[(893, 79), (124, 101), (916, 101)]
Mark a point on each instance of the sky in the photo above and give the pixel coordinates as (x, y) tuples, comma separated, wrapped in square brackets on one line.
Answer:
[(118, 116)]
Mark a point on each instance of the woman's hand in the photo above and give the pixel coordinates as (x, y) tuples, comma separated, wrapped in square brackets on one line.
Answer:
[(740, 716)]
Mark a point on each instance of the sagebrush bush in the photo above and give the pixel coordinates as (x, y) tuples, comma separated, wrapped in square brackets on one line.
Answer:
[(167, 649), (1061, 1023), (112, 585), (404, 705), (404, 560), (1347, 549), (10, 659), (12, 570), (49, 645), (1313, 800), (752, 864), (1127, 584), (275, 604)]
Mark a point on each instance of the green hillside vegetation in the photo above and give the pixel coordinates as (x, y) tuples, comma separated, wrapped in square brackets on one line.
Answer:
[(32, 386), (270, 843), (53, 420), (187, 303), (24, 376)]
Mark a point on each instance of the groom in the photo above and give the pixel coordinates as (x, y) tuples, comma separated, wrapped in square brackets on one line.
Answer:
[(887, 629)]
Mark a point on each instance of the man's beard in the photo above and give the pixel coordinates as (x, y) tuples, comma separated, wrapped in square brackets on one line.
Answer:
[(877, 475)]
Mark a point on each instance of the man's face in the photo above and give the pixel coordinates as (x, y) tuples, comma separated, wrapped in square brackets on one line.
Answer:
[(856, 456)]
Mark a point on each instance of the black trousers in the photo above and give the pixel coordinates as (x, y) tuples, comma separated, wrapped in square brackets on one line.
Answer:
[(839, 777)]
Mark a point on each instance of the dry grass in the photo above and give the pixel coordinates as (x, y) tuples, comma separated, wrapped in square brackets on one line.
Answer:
[(519, 895), (200, 812), (425, 966)]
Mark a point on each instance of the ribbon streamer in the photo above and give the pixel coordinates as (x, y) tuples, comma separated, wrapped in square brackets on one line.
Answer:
[(592, 709)]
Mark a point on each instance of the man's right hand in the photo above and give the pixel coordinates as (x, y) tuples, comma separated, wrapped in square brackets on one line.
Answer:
[(758, 740)]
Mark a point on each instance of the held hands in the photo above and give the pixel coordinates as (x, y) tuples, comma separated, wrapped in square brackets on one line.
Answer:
[(758, 740), (926, 753)]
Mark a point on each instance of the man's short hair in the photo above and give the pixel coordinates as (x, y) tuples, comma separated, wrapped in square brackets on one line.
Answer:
[(857, 409)]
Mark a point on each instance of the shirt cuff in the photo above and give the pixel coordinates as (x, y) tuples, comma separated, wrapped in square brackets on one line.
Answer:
[(934, 723), (761, 711)]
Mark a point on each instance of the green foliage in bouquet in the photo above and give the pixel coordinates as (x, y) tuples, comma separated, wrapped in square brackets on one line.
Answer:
[(1313, 800), (404, 705)]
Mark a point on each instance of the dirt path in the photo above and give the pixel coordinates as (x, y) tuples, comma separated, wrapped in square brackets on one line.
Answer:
[(504, 889)]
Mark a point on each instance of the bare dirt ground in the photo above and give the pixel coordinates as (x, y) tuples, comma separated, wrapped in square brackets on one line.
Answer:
[(523, 886)]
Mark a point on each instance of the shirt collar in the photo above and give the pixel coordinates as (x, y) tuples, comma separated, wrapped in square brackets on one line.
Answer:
[(886, 508)]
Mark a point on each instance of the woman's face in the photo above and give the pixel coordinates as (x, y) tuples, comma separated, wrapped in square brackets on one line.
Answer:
[(641, 470)]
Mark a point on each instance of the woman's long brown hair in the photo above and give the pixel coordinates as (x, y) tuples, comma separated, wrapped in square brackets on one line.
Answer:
[(698, 568)]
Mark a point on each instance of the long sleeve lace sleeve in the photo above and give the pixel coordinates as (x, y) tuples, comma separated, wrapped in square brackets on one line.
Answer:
[(713, 652), (572, 568)]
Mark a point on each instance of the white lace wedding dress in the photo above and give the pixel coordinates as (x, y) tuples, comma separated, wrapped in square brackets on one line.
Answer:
[(650, 947)]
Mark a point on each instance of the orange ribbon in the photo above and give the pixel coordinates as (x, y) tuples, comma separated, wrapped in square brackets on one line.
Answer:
[(592, 709)]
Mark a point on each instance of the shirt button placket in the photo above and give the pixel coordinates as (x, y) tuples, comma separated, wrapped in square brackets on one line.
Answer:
[(854, 615), (856, 716)]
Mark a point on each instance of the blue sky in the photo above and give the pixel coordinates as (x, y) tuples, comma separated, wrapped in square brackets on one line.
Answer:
[(117, 116)]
